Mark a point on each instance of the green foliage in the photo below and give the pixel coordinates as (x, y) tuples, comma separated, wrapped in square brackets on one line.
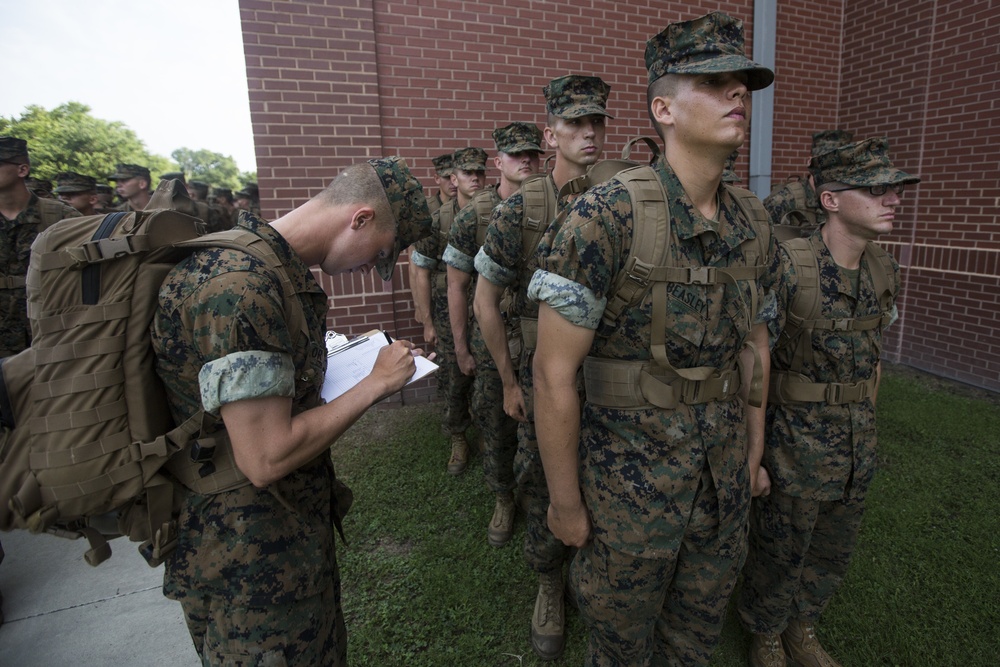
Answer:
[(423, 588), (212, 168), (69, 138)]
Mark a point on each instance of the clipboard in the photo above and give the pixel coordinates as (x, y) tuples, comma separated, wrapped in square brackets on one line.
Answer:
[(348, 363)]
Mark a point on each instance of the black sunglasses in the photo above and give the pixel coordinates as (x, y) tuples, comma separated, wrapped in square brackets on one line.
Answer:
[(876, 190)]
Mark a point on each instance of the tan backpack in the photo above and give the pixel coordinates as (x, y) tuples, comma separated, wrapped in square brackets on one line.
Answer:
[(86, 427), (625, 384), (803, 318)]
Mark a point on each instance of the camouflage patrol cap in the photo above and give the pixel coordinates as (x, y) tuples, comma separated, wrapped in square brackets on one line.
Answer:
[(11, 147), (705, 45), (173, 176), (827, 140), (442, 164), (575, 96), (864, 164), (104, 188), (123, 172), (69, 181), (222, 192), (518, 137), (469, 159), (249, 191), (39, 186), (408, 205), (199, 186)]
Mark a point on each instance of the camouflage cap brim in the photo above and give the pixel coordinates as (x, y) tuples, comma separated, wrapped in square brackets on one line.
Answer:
[(522, 147), (758, 77), (581, 110)]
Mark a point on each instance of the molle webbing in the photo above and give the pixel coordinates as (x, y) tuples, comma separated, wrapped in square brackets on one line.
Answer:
[(483, 203), (792, 388), (540, 203), (648, 267), (613, 383), (803, 318)]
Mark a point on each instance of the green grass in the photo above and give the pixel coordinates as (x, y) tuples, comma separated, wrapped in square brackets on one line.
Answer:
[(423, 587)]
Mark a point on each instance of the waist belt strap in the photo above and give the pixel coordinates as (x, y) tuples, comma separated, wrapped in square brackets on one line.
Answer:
[(529, 333), (12, 282), (613, 383), (793, 388)]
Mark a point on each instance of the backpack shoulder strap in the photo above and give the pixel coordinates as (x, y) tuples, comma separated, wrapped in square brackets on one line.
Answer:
[(483, 202), (51, 212), (650, 240), (446, 216), (540, 203), (805, 306), (883, 275), (241, 239)]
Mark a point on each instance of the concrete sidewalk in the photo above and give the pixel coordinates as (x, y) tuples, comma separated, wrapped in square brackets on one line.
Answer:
[(60, 611)]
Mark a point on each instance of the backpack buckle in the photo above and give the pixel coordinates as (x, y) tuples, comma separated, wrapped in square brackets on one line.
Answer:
[(640, 272), (701, 275)]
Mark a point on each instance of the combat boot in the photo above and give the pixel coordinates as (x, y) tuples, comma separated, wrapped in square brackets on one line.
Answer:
[(502, 524), (802, 647), (548, 623), (765, 651), (459, 454)]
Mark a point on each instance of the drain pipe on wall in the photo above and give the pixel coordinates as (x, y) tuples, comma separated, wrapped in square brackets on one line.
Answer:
[(762, 120)]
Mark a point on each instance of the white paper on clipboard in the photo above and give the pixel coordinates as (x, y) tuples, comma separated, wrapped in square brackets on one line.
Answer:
[(349, 363)]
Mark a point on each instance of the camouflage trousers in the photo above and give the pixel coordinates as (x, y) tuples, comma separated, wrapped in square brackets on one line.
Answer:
[(543, 551), (644, 612), (453, 387), (799, 553), (498, 430), (305, 632)]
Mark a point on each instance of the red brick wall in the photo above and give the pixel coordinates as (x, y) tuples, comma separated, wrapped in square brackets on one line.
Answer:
[(335, 81)]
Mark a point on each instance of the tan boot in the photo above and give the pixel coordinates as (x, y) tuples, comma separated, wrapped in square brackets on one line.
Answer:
[(765, 651), (502, 524), (548, 623), (802, 647), (459, 455)]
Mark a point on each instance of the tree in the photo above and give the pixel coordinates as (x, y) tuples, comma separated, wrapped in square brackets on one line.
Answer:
[(213, 168), (68, 138)]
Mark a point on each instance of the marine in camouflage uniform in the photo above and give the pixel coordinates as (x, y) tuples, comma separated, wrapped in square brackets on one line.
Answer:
[(505, 268), (430, 291), (219, 218), (794, 202), (105, 198), (419, 281), (133, 185), (255, 567), (657, 498), (248, 198), (821, 453), (78, 191), (22, 216), (442, 177), (518, 149), (223, 198)]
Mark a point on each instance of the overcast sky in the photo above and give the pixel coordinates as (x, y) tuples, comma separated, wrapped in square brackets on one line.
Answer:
[(173, 72)]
